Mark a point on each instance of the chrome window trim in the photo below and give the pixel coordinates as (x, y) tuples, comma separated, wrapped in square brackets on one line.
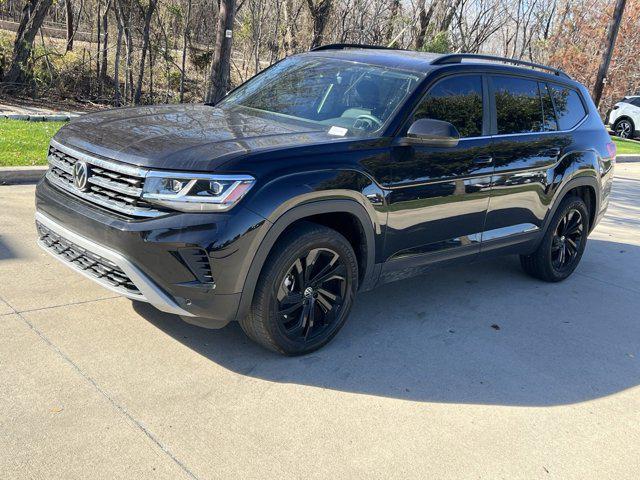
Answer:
[(149, 291)]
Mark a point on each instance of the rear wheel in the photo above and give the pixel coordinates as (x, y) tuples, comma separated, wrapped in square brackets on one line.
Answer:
[(563, 244), (304, 292), (624, 128)]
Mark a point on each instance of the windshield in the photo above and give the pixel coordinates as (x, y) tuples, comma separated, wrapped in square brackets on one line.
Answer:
[(344, 96)]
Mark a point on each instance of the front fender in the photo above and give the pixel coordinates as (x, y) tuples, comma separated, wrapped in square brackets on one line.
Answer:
[(295, 197)]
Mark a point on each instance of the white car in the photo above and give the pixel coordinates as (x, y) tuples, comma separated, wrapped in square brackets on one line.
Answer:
[(624, 117)]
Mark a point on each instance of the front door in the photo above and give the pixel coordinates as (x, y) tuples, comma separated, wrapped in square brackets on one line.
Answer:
[(439, 196)]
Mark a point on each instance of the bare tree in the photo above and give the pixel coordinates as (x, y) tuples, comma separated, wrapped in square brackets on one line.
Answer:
[(424, 20), (147, 14), (612, 35), (320, 16), (221, 62), (185, 41), (69, 18), (33, 15)]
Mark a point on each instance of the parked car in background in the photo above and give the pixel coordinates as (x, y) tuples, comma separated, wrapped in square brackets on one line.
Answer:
[(624, 117), (331, 172)]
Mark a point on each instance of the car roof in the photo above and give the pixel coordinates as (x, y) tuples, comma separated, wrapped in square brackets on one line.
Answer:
[(425, 62), (418, 62)]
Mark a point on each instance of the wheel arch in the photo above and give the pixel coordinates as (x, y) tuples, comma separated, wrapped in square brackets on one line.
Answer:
[(328, 212), (586, 187)]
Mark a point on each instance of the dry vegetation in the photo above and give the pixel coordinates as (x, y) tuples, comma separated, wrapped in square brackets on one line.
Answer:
[(144, 51)]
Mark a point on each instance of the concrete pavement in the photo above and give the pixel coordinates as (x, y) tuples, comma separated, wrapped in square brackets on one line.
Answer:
[(474, 372)]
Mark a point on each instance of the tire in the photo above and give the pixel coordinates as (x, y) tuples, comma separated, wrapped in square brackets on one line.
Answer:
[(624, 128), (305, 291), (546, 262)]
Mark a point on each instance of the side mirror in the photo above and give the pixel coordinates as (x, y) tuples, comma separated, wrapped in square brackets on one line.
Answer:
[(434, 133)]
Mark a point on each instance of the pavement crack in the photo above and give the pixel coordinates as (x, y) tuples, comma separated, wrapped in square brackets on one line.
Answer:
[(70, 304), (120, 408)]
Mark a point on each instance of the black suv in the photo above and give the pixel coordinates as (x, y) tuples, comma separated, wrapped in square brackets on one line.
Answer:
[(330, 172)]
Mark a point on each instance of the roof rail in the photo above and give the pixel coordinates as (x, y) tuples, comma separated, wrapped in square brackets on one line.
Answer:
[(458, 57), (342, 46)]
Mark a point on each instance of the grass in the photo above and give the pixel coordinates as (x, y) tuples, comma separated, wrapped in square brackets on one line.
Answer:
[(627, 146), (25, 143)]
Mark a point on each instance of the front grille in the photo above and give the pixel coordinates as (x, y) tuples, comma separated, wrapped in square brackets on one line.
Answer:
[(100, 268), (111, 185)]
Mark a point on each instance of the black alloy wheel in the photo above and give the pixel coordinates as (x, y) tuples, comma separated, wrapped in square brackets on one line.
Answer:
[(305, 290), (567, 240), (311, 294), (561, 248)]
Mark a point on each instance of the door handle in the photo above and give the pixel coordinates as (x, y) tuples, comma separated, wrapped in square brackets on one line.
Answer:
[(551, 152), (483, 160)]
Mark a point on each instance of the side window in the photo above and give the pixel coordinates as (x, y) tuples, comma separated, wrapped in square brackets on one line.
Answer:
[(457, 100), (635, 101), (518, 105), (569, 107), (548, 113)]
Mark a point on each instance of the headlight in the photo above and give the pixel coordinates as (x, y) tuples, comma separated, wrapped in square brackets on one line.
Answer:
[(187, 192)]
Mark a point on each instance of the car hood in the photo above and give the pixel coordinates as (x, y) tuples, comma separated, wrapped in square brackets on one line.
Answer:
[(184, 137)]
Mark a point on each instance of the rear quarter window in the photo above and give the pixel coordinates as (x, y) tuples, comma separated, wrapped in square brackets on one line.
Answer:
[(569, 107)]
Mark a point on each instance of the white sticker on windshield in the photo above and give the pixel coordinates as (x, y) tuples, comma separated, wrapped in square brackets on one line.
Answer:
[(339, 131)]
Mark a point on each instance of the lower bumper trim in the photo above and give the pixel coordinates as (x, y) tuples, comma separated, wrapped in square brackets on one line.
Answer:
[(148, 290)]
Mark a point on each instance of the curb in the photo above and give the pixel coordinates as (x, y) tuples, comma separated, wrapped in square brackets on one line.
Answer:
[(39, 118), (627, 158), (17, 175)]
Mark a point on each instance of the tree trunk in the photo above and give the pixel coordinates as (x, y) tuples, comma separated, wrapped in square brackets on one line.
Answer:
[(102, 78), (98, 46), (185, 41), (221, 62), (145, 46), (33, 15), (610, 44), (320, 16), (289, 43), (448, 18), (69, 10), (116, 66), (393, 14), (424, 20)]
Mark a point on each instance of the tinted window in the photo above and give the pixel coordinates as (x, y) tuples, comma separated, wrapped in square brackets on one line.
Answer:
[(518, 105), (457, 100), (569, 107), (328, 92), (550, 123), (635, 101)]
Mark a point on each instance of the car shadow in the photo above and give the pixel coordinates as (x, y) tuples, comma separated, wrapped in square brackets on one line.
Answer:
[(482, 334)]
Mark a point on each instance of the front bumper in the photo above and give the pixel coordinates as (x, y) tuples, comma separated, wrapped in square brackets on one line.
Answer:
[(92, 260), (114, 250)]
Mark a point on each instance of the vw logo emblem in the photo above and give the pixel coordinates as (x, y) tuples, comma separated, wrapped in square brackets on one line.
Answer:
[(81, 175)]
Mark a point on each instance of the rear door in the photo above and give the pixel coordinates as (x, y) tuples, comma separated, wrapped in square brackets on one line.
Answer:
[(439, 195), (527, 141)]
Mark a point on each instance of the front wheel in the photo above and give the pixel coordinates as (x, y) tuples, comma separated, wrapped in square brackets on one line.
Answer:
[(304, 292), (563, 244)]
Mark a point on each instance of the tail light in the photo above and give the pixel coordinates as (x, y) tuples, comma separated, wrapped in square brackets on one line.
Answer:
[(611, 150)]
